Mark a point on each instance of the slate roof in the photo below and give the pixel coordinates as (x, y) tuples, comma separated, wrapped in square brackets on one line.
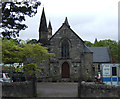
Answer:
[(100, 54), (86, 49)]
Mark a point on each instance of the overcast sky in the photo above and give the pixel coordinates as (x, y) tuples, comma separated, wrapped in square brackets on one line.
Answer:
[(90, 19)]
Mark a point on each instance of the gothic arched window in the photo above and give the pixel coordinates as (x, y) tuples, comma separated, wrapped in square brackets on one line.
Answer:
[(65, 49)]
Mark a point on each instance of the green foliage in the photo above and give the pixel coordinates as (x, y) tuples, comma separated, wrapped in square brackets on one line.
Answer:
[(30, 54), (35, 52), (89, 79), (11, 52), (76, 78), (33, 41), (9, 68), (88, 43), (13, 14), (38, 95), (31, 69), (54, 79)]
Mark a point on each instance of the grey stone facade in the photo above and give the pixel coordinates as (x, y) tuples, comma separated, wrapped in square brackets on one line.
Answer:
[(72, 56), (77, 55)]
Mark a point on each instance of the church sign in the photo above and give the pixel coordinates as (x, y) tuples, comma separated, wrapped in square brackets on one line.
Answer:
[(106, 70)]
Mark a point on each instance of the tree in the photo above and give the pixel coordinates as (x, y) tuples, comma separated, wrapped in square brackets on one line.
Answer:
[(29, 54), (11, 54), (13, 14), (88, 43), (34, 54), (11, 51), (33, 41)]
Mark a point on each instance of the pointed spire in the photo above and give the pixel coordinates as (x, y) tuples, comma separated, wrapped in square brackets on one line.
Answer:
[(66, 22), (95, 40), (43, 23), (49, 25), (49, 30)]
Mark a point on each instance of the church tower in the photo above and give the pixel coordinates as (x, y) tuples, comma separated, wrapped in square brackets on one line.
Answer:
[(43, 30), (49, 30)]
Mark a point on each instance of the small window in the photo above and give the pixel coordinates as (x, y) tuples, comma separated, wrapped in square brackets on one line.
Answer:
[(87, 70), (75, 65), (93, 69), (114, 71), (98, 67), (75, 71)]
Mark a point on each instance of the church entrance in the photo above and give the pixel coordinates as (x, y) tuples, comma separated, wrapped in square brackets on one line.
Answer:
[(65, 70)]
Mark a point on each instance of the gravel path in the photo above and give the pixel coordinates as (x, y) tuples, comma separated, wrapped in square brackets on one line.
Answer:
[(59, 89)]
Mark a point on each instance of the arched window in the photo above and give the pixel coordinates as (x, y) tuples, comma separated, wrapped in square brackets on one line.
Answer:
[(65, 49)]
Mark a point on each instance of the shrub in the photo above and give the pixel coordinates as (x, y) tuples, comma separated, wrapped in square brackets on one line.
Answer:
[(89, 79), (54, 79)]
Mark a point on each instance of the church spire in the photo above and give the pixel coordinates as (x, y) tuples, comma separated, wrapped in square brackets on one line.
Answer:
[(43, 30), (66, 22), (43, 23), (49, 30), (49, 25)]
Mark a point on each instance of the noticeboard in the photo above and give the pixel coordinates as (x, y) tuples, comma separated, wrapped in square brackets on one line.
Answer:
[(106, 70)]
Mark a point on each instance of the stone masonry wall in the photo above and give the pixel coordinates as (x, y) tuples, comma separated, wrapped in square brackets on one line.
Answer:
[(17, 89), (98, 90)]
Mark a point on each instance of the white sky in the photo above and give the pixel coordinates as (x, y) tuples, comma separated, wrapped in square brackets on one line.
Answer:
[(90, 19)]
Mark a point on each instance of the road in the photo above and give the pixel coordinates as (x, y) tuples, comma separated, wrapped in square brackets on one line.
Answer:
[(58, 89)]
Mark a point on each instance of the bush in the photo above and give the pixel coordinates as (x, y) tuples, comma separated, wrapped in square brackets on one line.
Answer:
[(54, 79), (89, 79), (76, 79), (39, 79)]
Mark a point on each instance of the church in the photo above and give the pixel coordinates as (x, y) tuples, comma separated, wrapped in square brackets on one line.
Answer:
[(72, 56)]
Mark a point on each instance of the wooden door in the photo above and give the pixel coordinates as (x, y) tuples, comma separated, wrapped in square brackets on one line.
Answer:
[(65, 70)]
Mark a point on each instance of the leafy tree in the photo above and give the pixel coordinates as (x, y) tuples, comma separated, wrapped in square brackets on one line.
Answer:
[(88, 43), (11, 52), (13, 14), (33, 41), (16, 52), (34, 54), (29, 54)]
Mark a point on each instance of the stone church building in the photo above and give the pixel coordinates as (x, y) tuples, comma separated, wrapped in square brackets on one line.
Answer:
[(72, 56)]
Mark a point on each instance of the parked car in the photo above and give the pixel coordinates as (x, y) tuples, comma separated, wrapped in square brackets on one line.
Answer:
[(18, 76), (4, 77)]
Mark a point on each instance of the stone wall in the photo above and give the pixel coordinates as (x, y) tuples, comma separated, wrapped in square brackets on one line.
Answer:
[(98, 90), (17, 89)]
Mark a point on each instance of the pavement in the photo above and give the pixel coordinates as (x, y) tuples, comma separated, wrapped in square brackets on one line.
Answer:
[(58, 89)]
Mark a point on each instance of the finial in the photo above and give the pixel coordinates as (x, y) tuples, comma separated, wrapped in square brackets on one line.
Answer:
[(66, 22)]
